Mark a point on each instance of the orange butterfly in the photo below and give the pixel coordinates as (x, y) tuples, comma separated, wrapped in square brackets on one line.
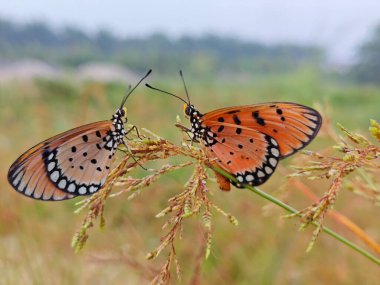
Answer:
[(248, 141), (74, 163)]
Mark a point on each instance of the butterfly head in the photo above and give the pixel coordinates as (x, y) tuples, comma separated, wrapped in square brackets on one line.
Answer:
[(189, 109), (191, 112), (123, 113), (120, 114)]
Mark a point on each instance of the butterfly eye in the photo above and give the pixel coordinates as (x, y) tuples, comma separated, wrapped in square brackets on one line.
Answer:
[(186, 109), (123, 111)]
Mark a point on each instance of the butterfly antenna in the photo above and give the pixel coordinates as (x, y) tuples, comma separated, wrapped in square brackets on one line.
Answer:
[(184, 85), (171, 94), (130, 92)]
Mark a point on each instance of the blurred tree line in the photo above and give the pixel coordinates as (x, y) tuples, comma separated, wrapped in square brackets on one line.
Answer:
[(367, 67), (202, 55)]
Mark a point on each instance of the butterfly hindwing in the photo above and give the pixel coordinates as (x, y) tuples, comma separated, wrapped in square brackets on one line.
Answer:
[(250, 155), (292, 125), (73, 163), (81, 165)]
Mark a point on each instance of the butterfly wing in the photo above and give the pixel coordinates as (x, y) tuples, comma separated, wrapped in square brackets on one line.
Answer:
[(251, 156), (292, 125), (76, 162)]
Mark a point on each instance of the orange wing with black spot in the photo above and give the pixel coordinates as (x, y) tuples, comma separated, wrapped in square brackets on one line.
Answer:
[(251, 156), (250, 140), (292, 125)]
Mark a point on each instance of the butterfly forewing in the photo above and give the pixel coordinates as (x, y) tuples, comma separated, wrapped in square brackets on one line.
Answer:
[(292, 125), (81, 165), (73, 163)]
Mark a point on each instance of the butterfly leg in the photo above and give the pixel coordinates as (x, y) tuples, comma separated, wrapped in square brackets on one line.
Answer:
[(133, 157), (136, 130), (187, 131)]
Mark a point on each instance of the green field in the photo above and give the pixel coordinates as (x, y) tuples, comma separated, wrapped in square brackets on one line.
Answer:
[(264, 249)]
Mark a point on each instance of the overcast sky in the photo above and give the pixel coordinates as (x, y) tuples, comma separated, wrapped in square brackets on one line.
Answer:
[(339, 25)]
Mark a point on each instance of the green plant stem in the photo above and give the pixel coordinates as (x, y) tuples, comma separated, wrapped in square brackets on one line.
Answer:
[(296, 212)]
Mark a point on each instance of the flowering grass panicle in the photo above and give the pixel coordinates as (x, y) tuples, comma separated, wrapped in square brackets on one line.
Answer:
[(194, 200), (359, 155)]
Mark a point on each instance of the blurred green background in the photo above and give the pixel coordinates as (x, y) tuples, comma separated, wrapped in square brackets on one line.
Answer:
[(53, 79)]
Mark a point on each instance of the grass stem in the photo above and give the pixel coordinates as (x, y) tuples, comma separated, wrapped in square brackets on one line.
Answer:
[(292, 210)]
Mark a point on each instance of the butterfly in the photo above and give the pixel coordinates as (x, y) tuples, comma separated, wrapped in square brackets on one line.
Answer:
[(74, 163), (249, 141)]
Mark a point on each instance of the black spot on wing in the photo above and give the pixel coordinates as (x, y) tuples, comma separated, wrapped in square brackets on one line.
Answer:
[(236, 119), (261, 121), (258, 119), (45, 154)]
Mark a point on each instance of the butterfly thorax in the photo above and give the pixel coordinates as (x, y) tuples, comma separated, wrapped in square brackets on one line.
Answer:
[(198, 130), (118, 130)]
